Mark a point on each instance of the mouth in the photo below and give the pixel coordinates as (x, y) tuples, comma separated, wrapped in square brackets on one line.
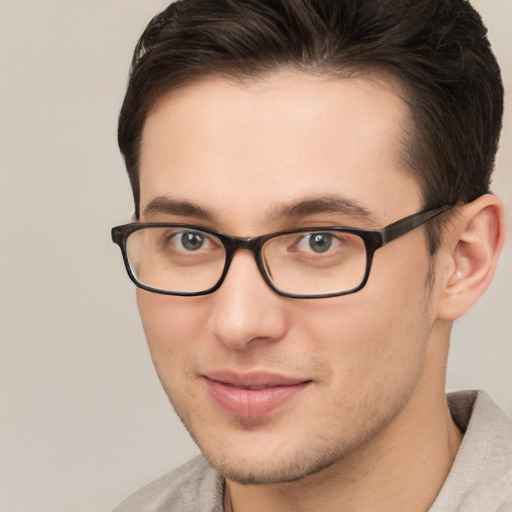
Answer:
[(252, 395)]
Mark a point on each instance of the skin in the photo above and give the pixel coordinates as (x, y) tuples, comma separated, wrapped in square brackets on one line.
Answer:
[(373, 414)]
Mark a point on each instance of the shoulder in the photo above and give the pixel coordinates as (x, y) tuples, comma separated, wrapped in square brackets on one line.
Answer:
[(481, 475), (195, 486)]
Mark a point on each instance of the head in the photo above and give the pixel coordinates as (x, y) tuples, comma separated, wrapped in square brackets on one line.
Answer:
[(254, 117)]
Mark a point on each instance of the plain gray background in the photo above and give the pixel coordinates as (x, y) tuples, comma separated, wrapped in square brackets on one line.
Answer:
[(83, 421)]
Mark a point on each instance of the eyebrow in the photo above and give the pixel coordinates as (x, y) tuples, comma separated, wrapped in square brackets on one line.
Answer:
[(166, 205), (325, 204)]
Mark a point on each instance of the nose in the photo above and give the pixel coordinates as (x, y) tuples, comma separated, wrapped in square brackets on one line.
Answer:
[(245, 309)]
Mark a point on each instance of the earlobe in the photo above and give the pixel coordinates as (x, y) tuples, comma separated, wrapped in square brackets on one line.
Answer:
[(471, 249)]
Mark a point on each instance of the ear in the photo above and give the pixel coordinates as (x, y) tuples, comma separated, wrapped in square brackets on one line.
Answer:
[(469, 255)]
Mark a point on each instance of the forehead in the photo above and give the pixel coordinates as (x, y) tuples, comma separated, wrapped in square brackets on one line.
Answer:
[(245, 149)]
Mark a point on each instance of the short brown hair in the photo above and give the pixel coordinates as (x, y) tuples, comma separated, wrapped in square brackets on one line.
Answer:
[(436, 49)]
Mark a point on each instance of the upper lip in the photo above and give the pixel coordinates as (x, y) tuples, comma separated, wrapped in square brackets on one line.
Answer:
[(253, 379)]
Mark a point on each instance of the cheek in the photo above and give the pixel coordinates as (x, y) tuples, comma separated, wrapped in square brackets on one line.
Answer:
[(377, 334), (172, 326)]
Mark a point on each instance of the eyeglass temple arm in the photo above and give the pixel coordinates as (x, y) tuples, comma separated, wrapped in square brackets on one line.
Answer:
[(403, 226)]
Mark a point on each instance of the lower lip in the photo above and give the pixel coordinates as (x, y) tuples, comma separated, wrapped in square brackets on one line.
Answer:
[(247, 403)]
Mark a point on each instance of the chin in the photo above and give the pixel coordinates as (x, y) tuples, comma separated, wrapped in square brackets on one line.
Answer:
[(288, 468)]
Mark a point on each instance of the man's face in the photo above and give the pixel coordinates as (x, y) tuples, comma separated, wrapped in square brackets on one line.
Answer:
[(273, 388)]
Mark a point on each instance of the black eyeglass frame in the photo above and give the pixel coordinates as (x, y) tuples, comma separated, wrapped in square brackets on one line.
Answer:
[(372, 239)]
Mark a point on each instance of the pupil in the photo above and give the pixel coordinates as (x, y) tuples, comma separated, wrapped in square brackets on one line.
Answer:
[(320, 242), (191, 241)]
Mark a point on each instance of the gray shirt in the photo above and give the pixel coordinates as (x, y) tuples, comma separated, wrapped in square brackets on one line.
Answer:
[(480, 479)]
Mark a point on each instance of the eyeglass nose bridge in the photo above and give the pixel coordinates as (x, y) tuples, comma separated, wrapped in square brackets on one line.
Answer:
[(254, 245)]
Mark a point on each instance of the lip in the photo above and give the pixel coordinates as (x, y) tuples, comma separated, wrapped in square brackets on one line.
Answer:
[(252, 395)]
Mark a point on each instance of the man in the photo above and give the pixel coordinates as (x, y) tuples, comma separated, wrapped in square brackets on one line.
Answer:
[(311, 184)]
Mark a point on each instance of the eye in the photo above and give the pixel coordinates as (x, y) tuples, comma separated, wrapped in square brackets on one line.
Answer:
[(316, 242), (179, 243), (320, 242), (189, 240)]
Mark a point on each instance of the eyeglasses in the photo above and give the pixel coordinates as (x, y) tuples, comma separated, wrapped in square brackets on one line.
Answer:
[(181, 259)]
